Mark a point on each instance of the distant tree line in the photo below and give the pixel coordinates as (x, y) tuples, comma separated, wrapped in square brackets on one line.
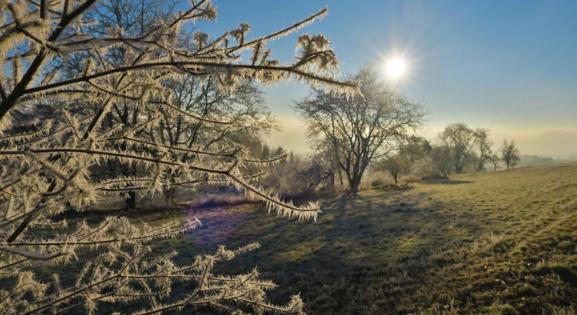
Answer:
[(459, 149), (375, 131)]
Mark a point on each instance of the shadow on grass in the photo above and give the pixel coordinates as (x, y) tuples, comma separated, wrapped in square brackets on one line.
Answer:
[(363, 255)]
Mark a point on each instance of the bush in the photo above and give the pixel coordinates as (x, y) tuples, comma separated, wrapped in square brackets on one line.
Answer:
[(377, 182), (408, 179), (297, 177)]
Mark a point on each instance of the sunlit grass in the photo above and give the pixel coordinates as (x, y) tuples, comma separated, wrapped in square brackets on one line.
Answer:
[(477, 243)]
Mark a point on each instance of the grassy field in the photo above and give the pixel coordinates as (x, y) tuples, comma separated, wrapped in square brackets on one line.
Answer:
[(501, 243)]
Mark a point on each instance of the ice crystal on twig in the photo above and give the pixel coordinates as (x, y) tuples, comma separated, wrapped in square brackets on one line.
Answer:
[(106, 97)]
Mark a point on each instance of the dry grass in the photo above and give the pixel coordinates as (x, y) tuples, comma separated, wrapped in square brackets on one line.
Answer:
[(499, 243)]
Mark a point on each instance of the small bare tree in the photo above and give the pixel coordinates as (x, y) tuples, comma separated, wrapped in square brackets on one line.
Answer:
[(481, 140), (495, 161), (80, 55), (510, 154), (396, 165), (460, 139), (360, 128)]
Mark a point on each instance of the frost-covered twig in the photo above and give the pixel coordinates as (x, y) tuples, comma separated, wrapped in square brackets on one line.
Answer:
[(92, 108)]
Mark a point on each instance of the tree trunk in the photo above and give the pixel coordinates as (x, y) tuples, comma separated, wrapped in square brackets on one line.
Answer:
[(355, 184), (459, 168), (331, 182), (131, 200)]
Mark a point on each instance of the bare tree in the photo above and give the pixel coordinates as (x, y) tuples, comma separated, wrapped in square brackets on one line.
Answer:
[(83, 56), (396, 165), (242, 107), (460, 139), (360, 128), (481, 140), (326, 163), (510, 154), (414, 148), (442, 160), (495, 161)]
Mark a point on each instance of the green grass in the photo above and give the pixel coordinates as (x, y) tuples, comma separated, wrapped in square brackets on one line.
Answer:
[(500, 243)]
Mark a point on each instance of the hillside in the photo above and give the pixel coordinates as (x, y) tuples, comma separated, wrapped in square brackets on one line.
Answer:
[(535, 160), (500, 242)]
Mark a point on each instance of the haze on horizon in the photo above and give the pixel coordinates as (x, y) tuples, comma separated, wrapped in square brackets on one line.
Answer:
[(508, 66)]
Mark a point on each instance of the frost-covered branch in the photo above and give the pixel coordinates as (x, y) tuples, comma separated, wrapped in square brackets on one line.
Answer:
[(101, 99)]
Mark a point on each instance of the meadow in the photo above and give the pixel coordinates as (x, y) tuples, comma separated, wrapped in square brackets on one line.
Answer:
[(501, 243)]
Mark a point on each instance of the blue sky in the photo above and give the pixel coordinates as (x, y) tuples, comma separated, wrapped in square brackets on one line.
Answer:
[(510, 66)]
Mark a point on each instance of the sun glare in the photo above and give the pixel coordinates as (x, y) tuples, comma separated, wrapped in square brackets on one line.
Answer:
[(395, 68)]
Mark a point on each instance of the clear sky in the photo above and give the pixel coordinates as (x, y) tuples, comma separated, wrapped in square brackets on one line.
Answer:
[(510, 66)]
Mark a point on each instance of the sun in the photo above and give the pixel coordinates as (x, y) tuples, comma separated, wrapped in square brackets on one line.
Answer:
[(395, 68)]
